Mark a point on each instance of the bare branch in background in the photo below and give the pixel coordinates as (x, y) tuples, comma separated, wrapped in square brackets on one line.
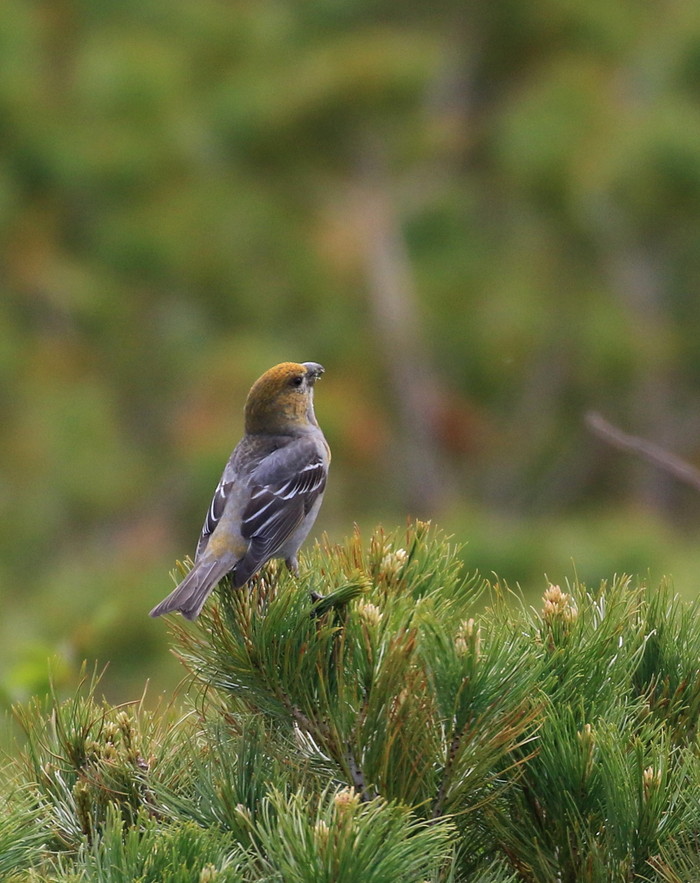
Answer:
[(649, 451)]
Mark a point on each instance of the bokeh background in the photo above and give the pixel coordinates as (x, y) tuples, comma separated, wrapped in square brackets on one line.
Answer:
[(482, 218)]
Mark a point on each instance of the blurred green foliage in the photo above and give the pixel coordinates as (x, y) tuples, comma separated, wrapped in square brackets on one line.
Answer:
[(184, 195)]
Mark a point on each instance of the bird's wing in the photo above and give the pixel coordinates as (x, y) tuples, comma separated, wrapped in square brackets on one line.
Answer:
[(283, 489), (216, 507)]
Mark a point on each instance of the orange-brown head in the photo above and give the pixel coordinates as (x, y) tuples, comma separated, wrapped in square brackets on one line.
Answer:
[(282, 400)]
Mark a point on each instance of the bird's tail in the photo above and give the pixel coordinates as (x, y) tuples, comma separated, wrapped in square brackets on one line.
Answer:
[(195, 588)]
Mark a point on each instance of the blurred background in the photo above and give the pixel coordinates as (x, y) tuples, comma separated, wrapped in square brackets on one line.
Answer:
[(482, 218)]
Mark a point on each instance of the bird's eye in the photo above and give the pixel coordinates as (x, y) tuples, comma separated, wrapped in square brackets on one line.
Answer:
[(297, 381)]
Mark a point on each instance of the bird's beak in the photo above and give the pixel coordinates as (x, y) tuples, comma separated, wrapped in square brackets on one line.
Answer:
[(313, 371)]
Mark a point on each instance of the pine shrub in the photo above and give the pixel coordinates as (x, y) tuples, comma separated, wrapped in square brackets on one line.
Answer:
[(382, 716)]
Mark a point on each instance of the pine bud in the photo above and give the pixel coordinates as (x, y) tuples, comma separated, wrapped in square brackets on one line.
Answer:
[(109, 731), (346, 799), (123, 720), (558, 605), (93, 749), (370, 614), (82, 798), (322, 832), (394, 562), (586, 737), (468, 637), (651, 780)]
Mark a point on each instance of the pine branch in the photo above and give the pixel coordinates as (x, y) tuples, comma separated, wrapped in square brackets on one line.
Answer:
[(357, 776), (444, 782)]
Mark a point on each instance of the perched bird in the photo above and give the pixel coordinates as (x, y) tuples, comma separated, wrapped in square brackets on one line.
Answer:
[(271, 490)]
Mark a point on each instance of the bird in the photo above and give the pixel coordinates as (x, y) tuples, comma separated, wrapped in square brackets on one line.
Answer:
[(270, 492)]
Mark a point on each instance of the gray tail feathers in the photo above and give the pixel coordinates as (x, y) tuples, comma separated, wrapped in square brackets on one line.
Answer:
[(193, 591)]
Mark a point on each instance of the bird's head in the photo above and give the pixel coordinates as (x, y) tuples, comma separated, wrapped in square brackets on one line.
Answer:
[(283, 398)]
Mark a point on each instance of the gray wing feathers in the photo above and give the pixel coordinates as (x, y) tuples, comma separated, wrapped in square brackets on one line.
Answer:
[(278, 507)]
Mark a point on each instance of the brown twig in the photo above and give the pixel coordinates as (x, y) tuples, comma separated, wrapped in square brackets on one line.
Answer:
[(451, 755), (357, 776), (651, 452)]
